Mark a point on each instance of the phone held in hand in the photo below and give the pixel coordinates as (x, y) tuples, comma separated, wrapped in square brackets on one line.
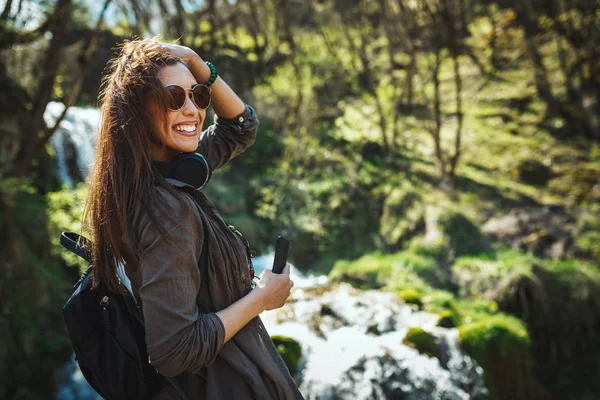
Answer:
[(281, 253)]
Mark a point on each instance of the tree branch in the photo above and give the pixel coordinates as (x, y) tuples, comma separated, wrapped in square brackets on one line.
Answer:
[(83, 67)]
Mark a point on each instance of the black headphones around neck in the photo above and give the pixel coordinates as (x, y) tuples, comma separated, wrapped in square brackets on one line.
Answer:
[(192, 169)]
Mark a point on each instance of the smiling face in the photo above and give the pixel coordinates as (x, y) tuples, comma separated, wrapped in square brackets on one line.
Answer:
[(183, 126)]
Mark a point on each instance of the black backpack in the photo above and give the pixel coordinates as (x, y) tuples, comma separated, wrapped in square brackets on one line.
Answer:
[(108, 337)]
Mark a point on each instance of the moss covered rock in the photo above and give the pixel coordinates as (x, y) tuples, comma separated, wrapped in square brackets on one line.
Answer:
[(404, 269), (411, 296), (371, 271), (507, 334), (560, 304), (483, 274), (501, 345), (446, 319), (290, 351), (423, 341)]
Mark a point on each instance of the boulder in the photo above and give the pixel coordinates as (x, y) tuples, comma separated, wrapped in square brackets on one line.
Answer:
[(545, 231)]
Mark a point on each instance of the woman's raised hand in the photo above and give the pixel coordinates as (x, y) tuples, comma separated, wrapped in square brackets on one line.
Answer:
[(275, 288), (196, 64), (185, 53)]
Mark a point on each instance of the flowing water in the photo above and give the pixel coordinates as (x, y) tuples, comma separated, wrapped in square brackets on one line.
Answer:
[(351, 340), (74, 142), (352, 346)]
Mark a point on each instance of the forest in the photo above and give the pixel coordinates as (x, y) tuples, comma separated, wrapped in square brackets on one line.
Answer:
[(446, 151)]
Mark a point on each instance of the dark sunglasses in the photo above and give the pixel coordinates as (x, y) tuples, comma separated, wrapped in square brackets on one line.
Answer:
[(200, 95)]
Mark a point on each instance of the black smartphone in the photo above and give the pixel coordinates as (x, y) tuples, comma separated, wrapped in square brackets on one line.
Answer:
[(281, 253)]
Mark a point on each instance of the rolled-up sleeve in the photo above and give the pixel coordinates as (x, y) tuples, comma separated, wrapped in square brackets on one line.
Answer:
[(178, 337), (226, 138)]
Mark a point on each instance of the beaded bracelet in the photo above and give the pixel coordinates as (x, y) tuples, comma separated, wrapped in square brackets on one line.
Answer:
[(213, 73)]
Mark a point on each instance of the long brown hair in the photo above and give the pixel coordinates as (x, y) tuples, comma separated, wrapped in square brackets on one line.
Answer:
[(123, 177)]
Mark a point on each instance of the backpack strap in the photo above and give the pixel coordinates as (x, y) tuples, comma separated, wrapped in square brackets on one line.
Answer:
[(71, 241)]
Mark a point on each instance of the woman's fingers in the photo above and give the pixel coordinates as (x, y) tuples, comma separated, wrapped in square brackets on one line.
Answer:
[(183, 52)]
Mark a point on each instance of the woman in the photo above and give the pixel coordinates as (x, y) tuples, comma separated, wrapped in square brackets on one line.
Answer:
[(188, 270)]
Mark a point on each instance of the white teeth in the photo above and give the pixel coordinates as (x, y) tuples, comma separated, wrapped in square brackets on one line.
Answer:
[(186, 128)]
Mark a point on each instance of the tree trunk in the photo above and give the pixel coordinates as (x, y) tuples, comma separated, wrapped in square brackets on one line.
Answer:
[(74, 93), (44, 93), (437, 128), (180, 23), (456, 43), (6, 11), (526, 18), (459, 116)]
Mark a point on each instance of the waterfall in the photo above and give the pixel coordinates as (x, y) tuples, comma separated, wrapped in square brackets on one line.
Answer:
[(74, 141)]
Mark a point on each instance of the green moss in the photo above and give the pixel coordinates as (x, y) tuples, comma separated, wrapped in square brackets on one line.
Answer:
[(473, 310), (503, 333), (423, 341), (376, 270), (559, 300), (290, 351), (477, 275), (411, 296), (437, 250), (501, 345), (438, 300), (370, 271), (446, 319)]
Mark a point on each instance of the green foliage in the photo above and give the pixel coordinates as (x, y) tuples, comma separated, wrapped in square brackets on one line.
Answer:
[(587, 241), (579, 183), (464, 236), (403, 212), (65, 212), (33, 291), (422, 341), (290, 351)]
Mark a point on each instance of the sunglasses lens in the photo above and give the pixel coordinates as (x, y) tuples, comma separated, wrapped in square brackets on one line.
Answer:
[(201, 96), (176, 98)]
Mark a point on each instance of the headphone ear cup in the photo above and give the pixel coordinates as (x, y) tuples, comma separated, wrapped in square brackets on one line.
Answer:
[(192, 169)]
